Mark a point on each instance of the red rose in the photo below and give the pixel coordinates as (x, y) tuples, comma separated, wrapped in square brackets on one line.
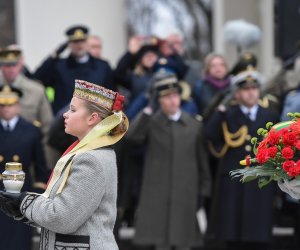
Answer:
[(273, 137), (262, 156), (297, 145), (287, 153), (283, 131), (296, 126), (272, 151), (293, 172), (262, 144), (287, 165), (289, 138)]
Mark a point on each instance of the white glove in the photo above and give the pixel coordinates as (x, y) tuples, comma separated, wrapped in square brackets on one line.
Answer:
[(290, 187)]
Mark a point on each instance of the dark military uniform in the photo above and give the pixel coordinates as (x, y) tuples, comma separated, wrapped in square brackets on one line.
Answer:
[(22, 144), (61, 74), (242, 213)]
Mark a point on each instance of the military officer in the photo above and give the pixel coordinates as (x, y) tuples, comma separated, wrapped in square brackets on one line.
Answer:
[(20, 142), (60, 73), (243, 213), (34, 105), (268, 99)]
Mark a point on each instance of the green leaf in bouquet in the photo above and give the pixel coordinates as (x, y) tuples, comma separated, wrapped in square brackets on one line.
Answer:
[(247, 178), (264, 174), (269, 165), (262, 182)]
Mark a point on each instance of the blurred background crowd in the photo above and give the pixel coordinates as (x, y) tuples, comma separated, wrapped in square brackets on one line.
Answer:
[(199, 78)]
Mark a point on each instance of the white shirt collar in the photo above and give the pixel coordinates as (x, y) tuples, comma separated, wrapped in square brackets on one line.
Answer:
[(83, 59), (251, 111), (12, 123), (175, 117)]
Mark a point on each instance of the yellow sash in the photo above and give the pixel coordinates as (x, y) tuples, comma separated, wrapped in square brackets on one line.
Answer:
[(98, 137)]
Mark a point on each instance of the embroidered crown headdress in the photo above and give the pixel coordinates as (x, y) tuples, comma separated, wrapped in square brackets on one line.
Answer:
[(99, 95)]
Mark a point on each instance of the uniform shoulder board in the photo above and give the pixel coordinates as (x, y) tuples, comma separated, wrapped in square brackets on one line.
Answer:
[(37, 124), (198, 118), (272, 98), (233, 102)]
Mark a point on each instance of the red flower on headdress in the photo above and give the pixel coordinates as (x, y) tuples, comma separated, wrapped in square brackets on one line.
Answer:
[(118, 104)]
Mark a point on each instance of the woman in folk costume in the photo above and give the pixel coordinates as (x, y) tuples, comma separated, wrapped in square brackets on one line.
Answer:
[(78, 208)]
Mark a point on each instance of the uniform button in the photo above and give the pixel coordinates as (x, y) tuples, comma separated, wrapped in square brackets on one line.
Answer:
[(248, 148), (248, 137), (16, 158), (1, 158)]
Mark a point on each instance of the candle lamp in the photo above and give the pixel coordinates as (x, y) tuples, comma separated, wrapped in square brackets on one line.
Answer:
[(13, 177)]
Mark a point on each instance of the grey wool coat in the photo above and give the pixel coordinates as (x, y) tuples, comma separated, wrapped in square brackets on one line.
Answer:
[(175, 174), (82, 216)]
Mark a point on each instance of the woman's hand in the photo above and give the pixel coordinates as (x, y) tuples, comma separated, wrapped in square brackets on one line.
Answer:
[(10, 203), (290, 187)]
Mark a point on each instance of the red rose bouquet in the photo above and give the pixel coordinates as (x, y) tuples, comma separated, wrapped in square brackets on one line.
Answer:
[(277, 155)]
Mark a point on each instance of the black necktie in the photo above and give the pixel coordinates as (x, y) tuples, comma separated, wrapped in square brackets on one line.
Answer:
[(7, 127), (249, 115)]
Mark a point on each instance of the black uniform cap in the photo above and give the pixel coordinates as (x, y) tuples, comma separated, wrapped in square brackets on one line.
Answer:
[(77, 33)]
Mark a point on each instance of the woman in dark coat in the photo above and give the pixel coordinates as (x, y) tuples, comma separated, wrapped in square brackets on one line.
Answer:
[(214, 82)]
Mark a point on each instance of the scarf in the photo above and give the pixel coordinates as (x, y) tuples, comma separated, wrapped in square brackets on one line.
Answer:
[(98, 137), (217, 83)]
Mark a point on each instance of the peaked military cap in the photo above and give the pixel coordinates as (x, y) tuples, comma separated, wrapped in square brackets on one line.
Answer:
[(77, 33), (246, 60), (9, 95), (9, 56), (246, 79)]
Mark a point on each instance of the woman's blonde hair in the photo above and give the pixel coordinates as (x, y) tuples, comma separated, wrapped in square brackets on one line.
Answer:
[(208, 59), (103, 113)]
